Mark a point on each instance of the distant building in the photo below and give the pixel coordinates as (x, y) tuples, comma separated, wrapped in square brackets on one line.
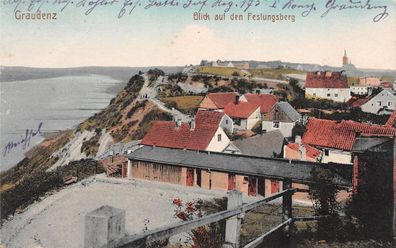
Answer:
[(282, 117), (327, 85), (382, 103), (345, 60), (370, 81), (239, 65), (244, 114)]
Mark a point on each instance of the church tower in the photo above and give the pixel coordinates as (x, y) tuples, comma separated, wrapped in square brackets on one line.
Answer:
[(345, 58)]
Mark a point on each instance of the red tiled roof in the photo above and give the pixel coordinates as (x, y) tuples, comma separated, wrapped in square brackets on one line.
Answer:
[(266, 101), (222, 99), (326, 80), (312, 152), (355, 103), (166, 134), (204, 117), (391, 120), (340, 135), (241, 110)]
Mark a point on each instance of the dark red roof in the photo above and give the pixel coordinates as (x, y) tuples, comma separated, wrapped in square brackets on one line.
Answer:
[(312, 152), (326, 80), (204, 117), (265, 101), (391, 120), (241, 110), (223, 98), (340, 135), (167, 134), (358, 102)]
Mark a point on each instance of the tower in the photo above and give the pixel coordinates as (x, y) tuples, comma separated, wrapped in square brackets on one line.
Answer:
[(345, 58)]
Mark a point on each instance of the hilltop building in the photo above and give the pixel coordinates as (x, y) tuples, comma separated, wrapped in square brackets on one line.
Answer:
[(327, 85)]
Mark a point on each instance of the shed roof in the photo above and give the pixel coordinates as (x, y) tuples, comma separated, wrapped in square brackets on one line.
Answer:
[(299, 171), (264, 145)]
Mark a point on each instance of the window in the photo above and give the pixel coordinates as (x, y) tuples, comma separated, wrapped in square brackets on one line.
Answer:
[(326, 152), (275, 124), (379, 103), (389, 104), (226, 122), (336, 95), (328, 94), (219, 137), (314, 94)]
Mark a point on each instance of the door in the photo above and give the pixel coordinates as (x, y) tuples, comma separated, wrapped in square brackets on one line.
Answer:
[(261, 186), (199, 177), (274, 187), (190, 177), (252, 187), (231, 181)]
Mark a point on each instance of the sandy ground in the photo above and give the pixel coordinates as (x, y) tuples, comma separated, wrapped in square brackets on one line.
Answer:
[(58, 220)]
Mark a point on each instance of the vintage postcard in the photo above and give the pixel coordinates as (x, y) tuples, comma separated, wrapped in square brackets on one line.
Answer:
[(197, 123)]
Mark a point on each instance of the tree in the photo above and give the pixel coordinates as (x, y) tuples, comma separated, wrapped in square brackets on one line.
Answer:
[(323, 193)]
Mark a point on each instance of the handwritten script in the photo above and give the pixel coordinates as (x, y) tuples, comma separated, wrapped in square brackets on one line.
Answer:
[(127, 7), (24, 142)]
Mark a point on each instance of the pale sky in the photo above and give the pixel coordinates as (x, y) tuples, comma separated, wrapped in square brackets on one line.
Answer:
[(170, 36)]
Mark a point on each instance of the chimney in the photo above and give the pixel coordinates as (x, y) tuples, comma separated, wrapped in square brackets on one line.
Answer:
[(303, 151), (192, 124), (297, 139), (236, 99)]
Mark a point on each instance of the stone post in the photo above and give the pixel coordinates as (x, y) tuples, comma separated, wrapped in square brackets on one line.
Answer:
[(287, 206), (233, 224), (104, 225)]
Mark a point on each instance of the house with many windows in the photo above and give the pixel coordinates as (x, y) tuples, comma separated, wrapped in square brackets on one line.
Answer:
[(327, 85)]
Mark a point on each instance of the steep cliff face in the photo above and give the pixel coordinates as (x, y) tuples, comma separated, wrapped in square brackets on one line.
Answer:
[(127, 117)]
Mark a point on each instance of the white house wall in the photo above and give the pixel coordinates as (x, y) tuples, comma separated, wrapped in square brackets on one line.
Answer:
[(218, 146), (337, 156), (285, 128), (384, 98), (227, 123), (337, 95)]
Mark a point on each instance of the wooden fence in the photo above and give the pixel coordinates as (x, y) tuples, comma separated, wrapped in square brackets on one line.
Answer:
[(114, 234)]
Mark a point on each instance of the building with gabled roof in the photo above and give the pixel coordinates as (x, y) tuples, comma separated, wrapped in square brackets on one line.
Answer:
[(265, 101), (203, 137), (296, 151), (282, 117), (217, 118), (268, 145), (382, 103), (336, 138), (214, 101), (327, 85), (244, 114)]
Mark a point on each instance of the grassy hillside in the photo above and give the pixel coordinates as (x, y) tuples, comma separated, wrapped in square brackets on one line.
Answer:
[(221, 71), (273, 73), (126, 118)]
